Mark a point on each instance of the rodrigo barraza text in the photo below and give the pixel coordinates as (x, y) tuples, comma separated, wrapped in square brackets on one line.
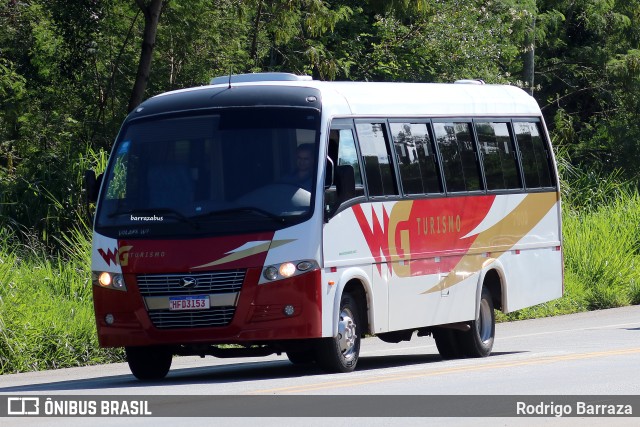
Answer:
[(578, 409)]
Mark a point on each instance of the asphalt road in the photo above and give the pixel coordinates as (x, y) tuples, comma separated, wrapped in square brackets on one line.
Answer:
[(596, 353)]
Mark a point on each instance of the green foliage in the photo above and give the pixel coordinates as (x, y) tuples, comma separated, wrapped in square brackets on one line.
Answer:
[(46, 313), (12, 88), (587, 189), (425, 42), (601, 250), (587, 76)]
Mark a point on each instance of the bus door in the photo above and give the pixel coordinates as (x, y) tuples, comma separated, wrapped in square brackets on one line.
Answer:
[(348, 233)]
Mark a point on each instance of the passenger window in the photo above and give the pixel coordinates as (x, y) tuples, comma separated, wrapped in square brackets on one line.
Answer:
[(534, 155), (461, 172), (416, 158), (498, 156), (375, 151)]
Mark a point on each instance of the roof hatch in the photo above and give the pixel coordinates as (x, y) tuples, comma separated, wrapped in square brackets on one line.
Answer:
[(258, 77)]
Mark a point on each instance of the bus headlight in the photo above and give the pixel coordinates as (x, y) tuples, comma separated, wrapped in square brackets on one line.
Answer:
[(286, 270), (118, 281), (305, 265), (105, 279), (270, 273)]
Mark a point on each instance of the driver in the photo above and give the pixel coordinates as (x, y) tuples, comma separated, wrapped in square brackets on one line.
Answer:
[(302, 174)]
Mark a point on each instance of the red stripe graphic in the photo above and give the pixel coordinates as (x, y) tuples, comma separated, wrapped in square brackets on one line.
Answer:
[(422, 236), (376, 238)]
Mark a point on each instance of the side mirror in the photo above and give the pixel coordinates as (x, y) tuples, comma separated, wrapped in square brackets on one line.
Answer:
[(345, 183), (89, 185), (92, 185), (345, 189)]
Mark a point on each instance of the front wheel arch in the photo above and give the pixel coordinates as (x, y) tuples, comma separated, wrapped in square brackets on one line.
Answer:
[(356, 282)]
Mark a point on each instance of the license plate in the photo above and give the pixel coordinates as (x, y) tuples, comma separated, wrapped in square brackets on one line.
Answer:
[(191, 302)]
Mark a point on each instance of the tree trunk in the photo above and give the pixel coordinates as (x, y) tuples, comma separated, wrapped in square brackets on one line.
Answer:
[(151, 11), (256, 31), (528, 58)]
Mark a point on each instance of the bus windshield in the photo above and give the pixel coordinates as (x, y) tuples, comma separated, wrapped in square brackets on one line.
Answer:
[(235, 170)]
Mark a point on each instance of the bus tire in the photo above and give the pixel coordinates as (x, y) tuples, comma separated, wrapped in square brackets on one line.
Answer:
[(341, 353), (149, 363), (447, 343), (478, 341), (302, 357)]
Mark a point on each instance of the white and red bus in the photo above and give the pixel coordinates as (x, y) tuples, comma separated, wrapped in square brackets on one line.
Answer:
[(286, 215)]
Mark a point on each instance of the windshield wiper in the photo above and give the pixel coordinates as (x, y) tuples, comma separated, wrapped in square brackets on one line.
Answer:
[(154, 211), (248, 209)]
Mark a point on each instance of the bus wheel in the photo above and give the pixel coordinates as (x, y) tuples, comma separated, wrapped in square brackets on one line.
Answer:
[(478, 341), (149, 363), (447, 343), (340, 353)]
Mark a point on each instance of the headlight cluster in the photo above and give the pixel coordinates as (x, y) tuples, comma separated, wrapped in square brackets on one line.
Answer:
[(108, 280), (286, 270)]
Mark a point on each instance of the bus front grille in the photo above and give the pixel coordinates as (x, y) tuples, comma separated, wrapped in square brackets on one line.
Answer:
[(221, 287), (216, 316), (211, 282)]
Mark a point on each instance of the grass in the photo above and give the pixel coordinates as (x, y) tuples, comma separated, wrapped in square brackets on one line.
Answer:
[(46, 311), (602, 253)]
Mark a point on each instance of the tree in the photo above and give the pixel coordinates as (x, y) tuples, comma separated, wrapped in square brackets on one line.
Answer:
[(199, 40), (588, 78), (388, 40), (286, 35)]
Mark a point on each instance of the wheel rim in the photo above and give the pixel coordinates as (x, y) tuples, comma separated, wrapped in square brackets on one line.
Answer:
[(484, 323), (347, 335)]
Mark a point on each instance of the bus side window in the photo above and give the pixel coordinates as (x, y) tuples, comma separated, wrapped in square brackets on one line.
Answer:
[(417, 162), (461, 172), (498, 156), (534, 155), (377, 159)]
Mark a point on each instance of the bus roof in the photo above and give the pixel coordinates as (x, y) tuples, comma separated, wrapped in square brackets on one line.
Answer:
[(433, 99), (358, 98)]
